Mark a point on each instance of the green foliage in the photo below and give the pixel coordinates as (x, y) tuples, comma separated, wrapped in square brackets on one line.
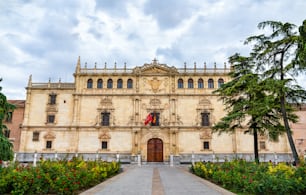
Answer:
[(50, 177), (6, 147), (244, 177)]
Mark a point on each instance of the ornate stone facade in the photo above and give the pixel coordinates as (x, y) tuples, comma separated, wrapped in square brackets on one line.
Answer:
[(103, 112)]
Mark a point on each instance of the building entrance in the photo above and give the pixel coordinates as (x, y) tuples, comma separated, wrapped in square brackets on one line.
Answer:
[(155, 150)]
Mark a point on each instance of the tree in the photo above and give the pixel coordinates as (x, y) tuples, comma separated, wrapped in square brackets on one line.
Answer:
[(281, 55), (248, 104), (6, 147)]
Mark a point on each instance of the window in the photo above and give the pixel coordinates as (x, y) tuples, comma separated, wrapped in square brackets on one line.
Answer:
[(206, 145), (210, 83), (35, 136), (9, 117), (130, 84), (205, 119), (100, 84), (119, 83), (89, 83), (262, 145), (104, 145), (50, 119), (109, 83), (190, 83), (52, 99), (105, 118), (180, 83), (7, 133), (49, 144), (155, 119), (220, 82), (200, 83)]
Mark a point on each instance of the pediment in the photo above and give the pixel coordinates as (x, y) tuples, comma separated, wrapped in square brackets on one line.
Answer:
[(155, 68)]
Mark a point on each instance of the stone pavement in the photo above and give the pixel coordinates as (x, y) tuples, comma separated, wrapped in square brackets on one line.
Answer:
[(156, 180)]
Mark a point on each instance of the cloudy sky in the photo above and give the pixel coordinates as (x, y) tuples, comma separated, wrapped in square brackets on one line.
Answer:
[(44, 38)]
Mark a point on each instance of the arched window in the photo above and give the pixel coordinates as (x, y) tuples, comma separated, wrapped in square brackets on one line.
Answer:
[(180, 83), (100, 84), (210, 83), (129, 83), (89, 83), (109, 83), (200, 84), (119, 83), (190, 83), (220, 82)]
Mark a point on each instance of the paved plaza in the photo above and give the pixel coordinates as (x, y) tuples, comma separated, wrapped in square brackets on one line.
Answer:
[(156, 180)]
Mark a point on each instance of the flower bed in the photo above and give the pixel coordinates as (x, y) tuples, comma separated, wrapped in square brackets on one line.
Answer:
[(55, 177), (243, 177)]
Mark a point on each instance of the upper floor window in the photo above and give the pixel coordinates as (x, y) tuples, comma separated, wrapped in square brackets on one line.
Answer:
[(180, 83), (205, 119), (210, 83), (7, 133), (220, 82), (129, 83), (190, 83), (89, 83), (119, 83), (52, 99), (9, 117), (51, 119), (105, 116), (200, 83), (100, 84), (109, 83)]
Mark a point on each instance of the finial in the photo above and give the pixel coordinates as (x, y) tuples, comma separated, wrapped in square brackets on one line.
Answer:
[(115, 65), (215, 65), (30, 81), (224, 65), (85, 65), (105, 65), (195, 65), (78, 66)]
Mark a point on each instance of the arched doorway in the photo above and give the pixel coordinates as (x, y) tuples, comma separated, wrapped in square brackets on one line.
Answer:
[(155, 150)]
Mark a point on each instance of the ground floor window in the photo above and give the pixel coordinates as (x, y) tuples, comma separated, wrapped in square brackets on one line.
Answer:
[(206, 145), (104, 145), (262, 145), (49, 144), (35, 136)]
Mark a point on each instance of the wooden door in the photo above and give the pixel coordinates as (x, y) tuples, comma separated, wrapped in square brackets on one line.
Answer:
[(155, 150)]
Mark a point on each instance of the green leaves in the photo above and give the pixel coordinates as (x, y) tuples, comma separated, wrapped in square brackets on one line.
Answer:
[(6, 147)]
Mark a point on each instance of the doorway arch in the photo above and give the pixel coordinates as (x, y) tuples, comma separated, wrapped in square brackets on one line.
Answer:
[(155, 150)]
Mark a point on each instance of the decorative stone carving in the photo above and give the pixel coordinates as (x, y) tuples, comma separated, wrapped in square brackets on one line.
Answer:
[(49, 136), (155, 83), (206, 134), (104, 136)]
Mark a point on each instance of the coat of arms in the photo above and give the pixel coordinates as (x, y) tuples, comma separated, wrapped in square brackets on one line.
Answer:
[(155, 83)]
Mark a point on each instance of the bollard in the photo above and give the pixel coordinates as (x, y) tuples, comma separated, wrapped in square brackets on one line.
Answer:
[(139, 159), (55, 156), (35, 159), (192, 158), (171, 160), (117, 157)]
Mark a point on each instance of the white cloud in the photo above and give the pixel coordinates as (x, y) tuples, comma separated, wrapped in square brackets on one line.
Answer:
[(44, 38)]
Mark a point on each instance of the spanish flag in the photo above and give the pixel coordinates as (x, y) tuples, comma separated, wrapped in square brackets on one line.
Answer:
[(148, 119)]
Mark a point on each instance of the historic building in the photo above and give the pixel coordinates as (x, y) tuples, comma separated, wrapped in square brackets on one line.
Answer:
[(153, 110), (299, 131), (14, 122)]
